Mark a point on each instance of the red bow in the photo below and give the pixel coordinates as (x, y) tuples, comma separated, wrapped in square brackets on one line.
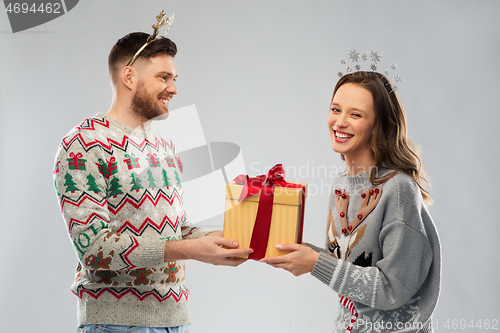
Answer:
[(264, 184), (76, 157)]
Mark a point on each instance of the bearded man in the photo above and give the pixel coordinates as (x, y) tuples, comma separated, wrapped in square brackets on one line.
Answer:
[(120, 194)]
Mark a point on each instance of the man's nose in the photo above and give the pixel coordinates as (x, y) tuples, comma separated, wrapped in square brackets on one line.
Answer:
[(172, 88)]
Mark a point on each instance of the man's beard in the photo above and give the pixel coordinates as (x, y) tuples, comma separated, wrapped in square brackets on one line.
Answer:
[(145, 106)]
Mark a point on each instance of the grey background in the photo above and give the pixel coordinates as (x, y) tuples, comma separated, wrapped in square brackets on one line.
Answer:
[(261, 74)]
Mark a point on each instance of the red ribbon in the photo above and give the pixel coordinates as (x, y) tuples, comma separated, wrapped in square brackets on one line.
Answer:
[(75, 157), (265, 185), (112, 166)]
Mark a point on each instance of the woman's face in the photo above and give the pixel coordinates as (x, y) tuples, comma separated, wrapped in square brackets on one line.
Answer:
[(351, 121)]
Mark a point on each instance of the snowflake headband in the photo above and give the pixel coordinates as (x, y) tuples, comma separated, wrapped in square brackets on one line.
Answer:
[(160, 22), (355, 57)]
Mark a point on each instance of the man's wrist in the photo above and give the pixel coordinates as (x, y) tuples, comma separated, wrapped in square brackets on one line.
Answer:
[(177, 250)]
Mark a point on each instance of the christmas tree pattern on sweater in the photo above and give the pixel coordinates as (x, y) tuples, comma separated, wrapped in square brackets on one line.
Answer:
[(120, 205)]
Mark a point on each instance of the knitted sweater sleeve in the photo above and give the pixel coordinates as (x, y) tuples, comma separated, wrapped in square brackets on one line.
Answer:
[(189, 231), (407, 256), (83, 194)]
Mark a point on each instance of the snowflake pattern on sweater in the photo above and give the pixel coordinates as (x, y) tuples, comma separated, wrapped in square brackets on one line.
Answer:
[(388, 263)]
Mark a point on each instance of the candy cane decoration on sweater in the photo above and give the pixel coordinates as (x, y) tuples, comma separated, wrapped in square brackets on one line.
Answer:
[(349, 306)]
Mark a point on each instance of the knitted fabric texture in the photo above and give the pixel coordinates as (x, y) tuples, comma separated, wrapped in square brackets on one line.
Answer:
[(390, 264), (120, 194)]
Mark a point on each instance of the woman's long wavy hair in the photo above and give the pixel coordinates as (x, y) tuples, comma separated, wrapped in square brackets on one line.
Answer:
[(389, 142)]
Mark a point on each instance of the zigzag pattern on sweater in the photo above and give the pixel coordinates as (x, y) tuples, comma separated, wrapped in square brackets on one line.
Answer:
[(154, 199), (124, 255), (86, 222), (84, 196), (89, 124), (119, 293), (123, 145), (127, 198), (149, 223)]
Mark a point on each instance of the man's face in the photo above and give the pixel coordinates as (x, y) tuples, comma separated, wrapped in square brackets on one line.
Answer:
[(155, 88)]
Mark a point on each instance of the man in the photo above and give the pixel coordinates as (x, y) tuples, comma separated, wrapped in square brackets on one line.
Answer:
[(120, 193)]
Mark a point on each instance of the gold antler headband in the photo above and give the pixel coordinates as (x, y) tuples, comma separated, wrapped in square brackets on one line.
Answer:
[(160, 22)]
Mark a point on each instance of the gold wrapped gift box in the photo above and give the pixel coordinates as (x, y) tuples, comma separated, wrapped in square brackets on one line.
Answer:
[(286, 220)]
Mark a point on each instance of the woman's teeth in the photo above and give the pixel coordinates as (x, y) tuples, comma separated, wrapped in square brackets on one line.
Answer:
[(343, 136)]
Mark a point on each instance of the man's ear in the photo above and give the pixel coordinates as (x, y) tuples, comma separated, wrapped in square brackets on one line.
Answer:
[(129, 77)]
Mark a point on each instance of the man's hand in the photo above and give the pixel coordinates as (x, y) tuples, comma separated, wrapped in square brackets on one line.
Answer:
[(219, 233), (211, 251), (299, 262), (207, 249)]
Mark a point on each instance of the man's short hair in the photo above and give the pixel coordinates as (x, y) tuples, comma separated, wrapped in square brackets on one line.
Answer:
[(126, 47)]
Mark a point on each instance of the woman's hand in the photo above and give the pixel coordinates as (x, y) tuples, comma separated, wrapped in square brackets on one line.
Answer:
[(298, 262)]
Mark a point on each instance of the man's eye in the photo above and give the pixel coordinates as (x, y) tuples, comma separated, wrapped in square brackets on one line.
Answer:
[(165, 78)]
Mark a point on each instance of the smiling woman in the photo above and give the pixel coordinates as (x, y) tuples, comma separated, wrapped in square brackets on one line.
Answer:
[(351, 123), (382, 253), (389, 145)]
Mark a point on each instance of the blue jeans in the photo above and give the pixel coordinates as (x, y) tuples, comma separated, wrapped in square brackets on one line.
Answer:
[(130, 329)]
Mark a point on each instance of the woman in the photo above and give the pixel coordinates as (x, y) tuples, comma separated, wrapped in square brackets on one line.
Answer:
[(383, 254)]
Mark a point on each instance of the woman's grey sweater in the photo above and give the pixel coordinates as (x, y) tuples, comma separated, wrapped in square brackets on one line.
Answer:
[(389, 265)]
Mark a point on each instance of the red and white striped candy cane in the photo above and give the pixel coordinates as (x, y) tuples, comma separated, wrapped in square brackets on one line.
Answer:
[(349, 306)]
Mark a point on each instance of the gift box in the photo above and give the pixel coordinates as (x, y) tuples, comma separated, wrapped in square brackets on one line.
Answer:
[(75, 162), (264, 211), (132, 161)]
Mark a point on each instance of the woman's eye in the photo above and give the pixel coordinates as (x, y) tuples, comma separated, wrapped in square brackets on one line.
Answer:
[(356, 115), (335, 110)]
